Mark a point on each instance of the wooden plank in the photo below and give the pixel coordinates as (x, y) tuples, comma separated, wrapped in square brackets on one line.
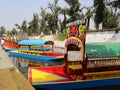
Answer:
[(74, 67), (102, 75)]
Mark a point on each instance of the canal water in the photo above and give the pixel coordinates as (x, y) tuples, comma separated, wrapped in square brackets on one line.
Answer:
[(24, 64)]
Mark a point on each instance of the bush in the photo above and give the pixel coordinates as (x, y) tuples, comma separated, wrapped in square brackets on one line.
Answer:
[(61, 36)]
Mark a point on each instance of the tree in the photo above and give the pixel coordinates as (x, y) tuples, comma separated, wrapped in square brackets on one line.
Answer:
[(33, 27), (99, 6), (19, 27), (52, 17), (8, 33), (115, 4), (14, 31), (2, 30), (110, 19), (63, 23), (50, 25), (24, 26), (74, 11), (89, 14), (43, 26)]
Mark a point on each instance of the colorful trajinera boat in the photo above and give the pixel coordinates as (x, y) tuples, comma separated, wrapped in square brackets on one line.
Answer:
[(79, 71), (10, 45), (36, 50), (11, 42)]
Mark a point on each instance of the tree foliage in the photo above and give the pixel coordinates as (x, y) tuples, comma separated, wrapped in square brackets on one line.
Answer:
[(18, 27), (99, 6), (115, 4), (33, 27), (24, 26), (63, 11), (110, 19), (2, 30), (13, 32), (89, 14), (74, 10), (43, 21), (52, 18), (49, 19)]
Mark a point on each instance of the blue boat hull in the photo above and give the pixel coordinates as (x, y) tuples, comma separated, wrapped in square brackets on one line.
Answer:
[(93, 84), (35, 58)]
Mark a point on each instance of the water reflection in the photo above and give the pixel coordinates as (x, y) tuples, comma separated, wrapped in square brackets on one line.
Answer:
[(24, 64)]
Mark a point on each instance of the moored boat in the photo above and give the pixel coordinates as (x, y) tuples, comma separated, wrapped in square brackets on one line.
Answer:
[(10, 45), (37, 50), (78, 72)]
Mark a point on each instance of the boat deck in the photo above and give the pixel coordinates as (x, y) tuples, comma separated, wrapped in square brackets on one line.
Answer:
[(10, 77)]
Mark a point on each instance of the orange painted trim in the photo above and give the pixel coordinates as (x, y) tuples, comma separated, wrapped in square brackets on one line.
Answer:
[(81, 43), (30, 75)]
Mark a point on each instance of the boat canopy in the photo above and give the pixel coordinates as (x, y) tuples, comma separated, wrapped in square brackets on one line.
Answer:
[(102, 50), (35, 42)]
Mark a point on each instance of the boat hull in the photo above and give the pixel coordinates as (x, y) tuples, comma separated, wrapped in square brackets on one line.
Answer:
[(93, 84), (37, 58), (50, 78)]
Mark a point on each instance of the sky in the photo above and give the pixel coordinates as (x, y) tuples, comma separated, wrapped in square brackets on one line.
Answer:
[(15, 11)]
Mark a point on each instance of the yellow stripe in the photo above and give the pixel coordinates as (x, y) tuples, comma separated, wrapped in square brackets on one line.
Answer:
[(41, 76)]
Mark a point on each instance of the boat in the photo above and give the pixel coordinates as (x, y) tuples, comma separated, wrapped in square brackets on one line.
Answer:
[(36, 50), (78, 71), (10, 45)]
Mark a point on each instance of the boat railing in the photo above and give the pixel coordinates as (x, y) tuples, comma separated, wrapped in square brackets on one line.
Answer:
[(103, 60), (103, 64), (45, 53), (102, 75)]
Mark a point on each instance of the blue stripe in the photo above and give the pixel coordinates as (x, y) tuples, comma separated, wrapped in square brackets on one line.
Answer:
[(79, 85)]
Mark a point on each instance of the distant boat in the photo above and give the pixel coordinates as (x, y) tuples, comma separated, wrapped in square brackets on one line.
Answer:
[(10, 45), (37, 50)]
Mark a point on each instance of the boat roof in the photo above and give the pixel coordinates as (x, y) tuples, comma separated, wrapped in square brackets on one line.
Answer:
[(35, 42), (102, 50)]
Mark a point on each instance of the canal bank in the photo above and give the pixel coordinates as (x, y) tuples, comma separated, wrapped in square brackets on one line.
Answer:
[(10, 77)]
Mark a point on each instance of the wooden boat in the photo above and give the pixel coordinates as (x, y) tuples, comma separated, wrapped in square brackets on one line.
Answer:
[(44, 79), (38, 50), (10, 45), (78, 72)]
